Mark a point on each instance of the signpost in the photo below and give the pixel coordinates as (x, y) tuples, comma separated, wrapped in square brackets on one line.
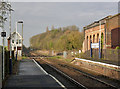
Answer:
[(94, 45), (90, 48), (64, 54), (3, 34), (99, 48)]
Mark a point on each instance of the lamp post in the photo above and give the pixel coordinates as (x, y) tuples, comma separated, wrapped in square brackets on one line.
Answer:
[(22, 35), (16, 36), (16, 42), (10, 60)]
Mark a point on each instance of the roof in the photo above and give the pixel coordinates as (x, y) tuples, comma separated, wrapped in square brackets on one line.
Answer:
[(14, 33), (114, 16), (94, 24)]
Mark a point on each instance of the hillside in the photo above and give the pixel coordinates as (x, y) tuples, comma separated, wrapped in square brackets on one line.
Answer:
[(68, 38)]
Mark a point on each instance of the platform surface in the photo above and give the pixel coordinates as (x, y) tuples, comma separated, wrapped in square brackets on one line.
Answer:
[(31, 75)]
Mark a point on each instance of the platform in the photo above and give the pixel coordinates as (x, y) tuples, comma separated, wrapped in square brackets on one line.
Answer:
[(32, 75)]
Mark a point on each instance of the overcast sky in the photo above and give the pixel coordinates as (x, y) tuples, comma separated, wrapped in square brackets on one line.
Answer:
[(37, 16)]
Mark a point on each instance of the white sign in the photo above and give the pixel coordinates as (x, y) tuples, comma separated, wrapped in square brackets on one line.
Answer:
[(79, 51), (95, 45)]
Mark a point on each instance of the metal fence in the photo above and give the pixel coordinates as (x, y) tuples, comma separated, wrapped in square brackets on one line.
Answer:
[(6, 65)]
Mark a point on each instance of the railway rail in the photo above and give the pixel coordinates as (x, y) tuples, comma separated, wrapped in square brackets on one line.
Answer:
[(74, 82), (109, 86)]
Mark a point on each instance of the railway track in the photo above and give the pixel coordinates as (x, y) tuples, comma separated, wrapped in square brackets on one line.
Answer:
[(57, 73), (109, 86)]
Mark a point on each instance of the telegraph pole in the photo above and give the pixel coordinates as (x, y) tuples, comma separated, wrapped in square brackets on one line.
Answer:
[(3, 44), (16, 41), (10, 60), (4, 7)]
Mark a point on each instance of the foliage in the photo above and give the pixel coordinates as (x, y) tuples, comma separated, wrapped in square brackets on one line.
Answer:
[(24, 57), (117, 47), (68, 38), (102, 41), (25, 51)]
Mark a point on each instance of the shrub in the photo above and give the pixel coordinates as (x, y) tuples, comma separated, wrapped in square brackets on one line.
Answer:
[(117, 47)]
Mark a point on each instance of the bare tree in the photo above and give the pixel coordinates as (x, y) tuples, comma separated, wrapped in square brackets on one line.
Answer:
[(5, 7)]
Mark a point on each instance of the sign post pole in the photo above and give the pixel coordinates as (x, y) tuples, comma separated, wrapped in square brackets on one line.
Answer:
[(90, 48), (94, 45)]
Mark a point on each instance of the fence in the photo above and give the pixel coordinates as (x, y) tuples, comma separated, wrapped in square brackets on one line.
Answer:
[(0, 70), (112, 55), (7, 56)]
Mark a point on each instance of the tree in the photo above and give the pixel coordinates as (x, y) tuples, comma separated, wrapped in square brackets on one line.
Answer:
[(4, 9), (52, 28), (47, 29), (67, 39)]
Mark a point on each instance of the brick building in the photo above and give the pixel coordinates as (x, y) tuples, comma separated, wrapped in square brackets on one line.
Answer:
[(110, 32)]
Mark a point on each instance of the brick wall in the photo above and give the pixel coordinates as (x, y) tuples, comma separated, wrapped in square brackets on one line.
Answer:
[(115, 35), (93, 34), (102, 69), (112, 31)]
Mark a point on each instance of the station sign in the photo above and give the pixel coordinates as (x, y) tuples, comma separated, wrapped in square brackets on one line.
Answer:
[(95, 45), (3, 34)]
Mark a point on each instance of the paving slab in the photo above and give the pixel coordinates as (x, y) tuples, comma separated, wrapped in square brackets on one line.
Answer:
[(28, 67)]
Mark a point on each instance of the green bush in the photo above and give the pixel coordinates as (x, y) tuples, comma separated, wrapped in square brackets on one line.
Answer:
[(117, 47), (82, 55)]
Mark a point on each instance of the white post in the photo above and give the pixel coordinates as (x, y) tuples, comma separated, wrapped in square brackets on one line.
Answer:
[(3, 55), (10, 60), (3, 64)]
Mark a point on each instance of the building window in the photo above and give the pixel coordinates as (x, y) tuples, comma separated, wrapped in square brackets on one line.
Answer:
[(97, 38), (12, 41), (87, 42), (90, 41), (19, 41), (90, 38), (93, 38)]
